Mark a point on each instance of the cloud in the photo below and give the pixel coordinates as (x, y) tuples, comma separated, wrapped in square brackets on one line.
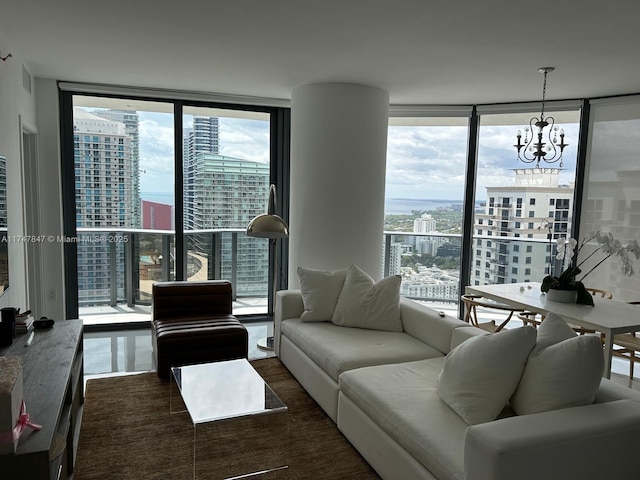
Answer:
[(426, 162), (430, 162), (244, 138), (156, 152)]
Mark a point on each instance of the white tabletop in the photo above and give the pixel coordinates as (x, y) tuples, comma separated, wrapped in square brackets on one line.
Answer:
[(226, 389), (606, 315)]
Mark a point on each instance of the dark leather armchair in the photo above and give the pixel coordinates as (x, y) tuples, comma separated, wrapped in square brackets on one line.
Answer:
[(192, 322)]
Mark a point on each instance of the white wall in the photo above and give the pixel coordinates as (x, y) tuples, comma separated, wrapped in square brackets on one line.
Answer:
[(16, 105), (50, 197), (338, 167)]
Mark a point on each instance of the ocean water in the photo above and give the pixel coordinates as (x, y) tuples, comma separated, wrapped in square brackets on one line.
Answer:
[(392, 206), (404, 206)]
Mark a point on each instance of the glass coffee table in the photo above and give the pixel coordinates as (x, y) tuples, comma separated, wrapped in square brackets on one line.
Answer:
[(240, 426)]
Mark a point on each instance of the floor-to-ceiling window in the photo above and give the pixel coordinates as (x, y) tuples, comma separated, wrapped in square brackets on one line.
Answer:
[(517, 207), (226, 177), (124, 197), (424, 200), (611, 200), (521, 205), (129, 224)]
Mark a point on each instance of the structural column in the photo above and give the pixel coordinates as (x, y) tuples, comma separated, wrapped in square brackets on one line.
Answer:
[(338, 168)]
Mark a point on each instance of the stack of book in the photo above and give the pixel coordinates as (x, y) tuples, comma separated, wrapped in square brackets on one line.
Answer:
[(24, 323)]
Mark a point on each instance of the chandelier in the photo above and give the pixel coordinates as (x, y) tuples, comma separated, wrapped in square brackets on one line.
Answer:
[(550, 150)]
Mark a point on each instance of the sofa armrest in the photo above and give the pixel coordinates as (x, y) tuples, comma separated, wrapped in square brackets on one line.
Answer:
[(462, 334), (588, 442), (288, 305), (428, 325)]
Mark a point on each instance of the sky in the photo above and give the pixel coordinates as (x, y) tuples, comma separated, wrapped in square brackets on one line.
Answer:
[(423, 162), (240, 138)]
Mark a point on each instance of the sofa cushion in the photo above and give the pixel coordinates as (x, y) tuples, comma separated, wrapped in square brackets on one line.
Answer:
[(403, 401), (563, 370), (338, 349), (365, 304), (481, 374), (320, 291)]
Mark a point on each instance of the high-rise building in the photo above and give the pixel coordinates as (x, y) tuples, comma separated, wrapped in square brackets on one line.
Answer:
[(535, 207), (203, 137), (425, 244), (395, 258), (157, 216), (425, 224), (131, 122), (223, 193), (105, 197), (227, 193)]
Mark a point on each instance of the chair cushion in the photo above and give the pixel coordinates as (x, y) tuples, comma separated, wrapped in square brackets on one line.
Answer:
[(563, 370), (365, 304), (197, 340), (480, 375)]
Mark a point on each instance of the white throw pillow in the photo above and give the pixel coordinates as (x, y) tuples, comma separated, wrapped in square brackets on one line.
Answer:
[(561, 373), (480, 375), (552, 330), (320, 291), (366, 304)]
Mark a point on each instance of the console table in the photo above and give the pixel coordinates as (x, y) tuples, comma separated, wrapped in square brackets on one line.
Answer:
[(52, 368)]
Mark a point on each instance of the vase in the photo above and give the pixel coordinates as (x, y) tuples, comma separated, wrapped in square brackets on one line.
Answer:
[(562, 296)]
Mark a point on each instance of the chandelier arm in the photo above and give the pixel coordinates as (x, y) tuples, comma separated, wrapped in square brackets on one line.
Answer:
[(527, 146), (552, 144)]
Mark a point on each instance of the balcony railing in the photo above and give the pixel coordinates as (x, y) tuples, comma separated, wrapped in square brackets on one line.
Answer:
[(117, 267)]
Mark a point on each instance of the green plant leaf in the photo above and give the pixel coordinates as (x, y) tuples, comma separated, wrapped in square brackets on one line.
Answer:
[(548, 282), (584, 297), (569, 274)]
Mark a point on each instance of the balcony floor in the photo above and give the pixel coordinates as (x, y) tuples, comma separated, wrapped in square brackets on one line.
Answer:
[(120, 314)]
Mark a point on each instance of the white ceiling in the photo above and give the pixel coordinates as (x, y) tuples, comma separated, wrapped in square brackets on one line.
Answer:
[(421, 51)]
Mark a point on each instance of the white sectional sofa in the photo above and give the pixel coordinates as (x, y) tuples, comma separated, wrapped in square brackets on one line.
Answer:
[(381, 389)]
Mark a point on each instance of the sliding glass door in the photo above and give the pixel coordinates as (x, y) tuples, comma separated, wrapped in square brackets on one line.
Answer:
[(124, 196), (132, 227), (226, 178)]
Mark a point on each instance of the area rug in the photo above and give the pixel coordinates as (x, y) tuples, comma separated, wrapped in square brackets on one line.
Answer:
[(128, 432)]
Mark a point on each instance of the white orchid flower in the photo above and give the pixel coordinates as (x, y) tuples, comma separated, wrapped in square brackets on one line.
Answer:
[(634, 248)]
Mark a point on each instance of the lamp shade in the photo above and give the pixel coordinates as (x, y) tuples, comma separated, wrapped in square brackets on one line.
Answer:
[(268, 225)]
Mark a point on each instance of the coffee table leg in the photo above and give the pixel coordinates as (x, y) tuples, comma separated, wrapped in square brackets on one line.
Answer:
[(176, 403), (251, 446)]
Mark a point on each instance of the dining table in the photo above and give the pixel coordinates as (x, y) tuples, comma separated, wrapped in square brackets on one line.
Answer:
[(607, 316)]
